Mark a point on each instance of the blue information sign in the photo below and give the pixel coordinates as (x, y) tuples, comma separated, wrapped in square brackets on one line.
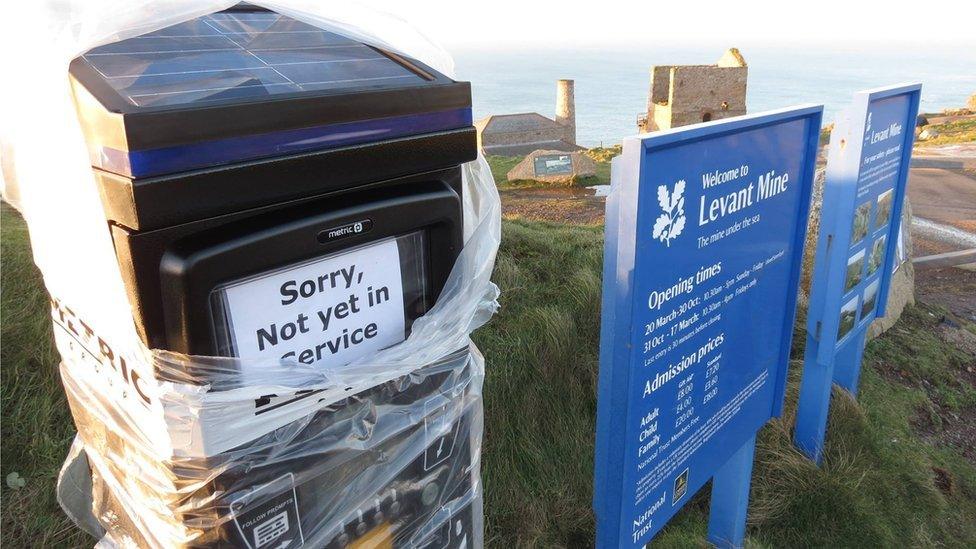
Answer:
[(867, 172), (704, 239)]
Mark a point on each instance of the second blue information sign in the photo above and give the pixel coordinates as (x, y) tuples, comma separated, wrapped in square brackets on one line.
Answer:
[(867, 175), (704, 239)]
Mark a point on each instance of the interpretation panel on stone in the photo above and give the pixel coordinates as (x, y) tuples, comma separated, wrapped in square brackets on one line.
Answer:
[(553, 164)]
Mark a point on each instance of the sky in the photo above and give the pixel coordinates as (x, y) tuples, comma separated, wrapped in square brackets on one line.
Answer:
[(501, 23)]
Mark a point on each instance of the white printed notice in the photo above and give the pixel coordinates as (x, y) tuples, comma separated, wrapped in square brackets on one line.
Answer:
[(329, 312)]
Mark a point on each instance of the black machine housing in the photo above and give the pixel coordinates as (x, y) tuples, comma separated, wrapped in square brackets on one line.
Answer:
[(182, 226), (176, 233)]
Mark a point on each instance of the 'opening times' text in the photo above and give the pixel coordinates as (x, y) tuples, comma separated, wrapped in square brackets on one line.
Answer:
[(689, 316)]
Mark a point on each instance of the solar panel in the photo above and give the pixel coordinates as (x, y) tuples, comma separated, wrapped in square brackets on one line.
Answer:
[(240, 55)]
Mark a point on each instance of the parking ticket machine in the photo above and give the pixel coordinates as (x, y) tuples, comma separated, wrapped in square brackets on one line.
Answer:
[(276, 191)]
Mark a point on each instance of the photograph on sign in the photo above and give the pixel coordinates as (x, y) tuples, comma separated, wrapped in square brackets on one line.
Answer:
[(862, 221), (877, 254), (848, 318), (884, 209), (870, 299), (712, 219), (855, 265)]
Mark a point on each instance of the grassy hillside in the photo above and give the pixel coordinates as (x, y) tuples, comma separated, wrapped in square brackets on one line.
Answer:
[(894, 473), (962, 130), (882, 484), (36, 425), (501, 165)]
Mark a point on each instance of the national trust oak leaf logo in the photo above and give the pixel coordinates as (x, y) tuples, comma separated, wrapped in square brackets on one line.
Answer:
[(672, 221)]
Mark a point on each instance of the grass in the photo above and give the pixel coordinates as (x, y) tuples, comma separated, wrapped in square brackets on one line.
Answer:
[(602, 157), (36, 427), (604, 154), (501, 165), (540, 393), (825, 133), (879, 487), (950, 133), (913, 352)]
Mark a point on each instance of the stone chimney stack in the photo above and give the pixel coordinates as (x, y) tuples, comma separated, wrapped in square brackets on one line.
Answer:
[(566, 107)]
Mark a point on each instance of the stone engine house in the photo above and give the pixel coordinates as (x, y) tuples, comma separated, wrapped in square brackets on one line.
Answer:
[(522, 133), (689, 94)]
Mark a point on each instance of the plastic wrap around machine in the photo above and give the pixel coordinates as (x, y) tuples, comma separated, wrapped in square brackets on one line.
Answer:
[(246, 153)]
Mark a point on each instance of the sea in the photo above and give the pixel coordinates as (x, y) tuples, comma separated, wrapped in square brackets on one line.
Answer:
[(612, 82)]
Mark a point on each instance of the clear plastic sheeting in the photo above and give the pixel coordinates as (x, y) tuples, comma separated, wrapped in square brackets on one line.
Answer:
[(398, 461), (185, 450)]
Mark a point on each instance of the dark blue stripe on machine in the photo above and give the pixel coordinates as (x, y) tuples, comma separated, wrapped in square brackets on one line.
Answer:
[(153, 162)]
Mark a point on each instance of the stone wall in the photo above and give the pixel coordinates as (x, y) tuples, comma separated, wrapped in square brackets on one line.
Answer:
[(531, 128), (554, 132), (566, 107), (688, 94), (707, 92), (660, 86)]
